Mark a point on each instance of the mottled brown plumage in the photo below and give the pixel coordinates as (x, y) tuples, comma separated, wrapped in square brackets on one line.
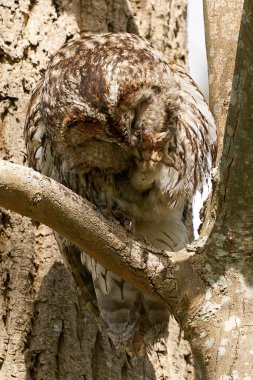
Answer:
[(126, 128)]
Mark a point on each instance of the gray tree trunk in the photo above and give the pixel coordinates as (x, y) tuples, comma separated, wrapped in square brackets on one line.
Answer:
[(44, 331)]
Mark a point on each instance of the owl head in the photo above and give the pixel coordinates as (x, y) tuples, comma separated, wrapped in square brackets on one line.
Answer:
[(114, 103)]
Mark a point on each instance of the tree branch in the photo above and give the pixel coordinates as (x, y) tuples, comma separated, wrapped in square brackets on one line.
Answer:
[(33, 195)]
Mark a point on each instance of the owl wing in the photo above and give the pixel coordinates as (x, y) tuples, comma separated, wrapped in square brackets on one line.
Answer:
[(72, 260), (117, 301), (41, 158)]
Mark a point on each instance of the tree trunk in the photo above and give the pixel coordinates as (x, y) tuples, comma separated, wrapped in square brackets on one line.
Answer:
[(222, 24), (45, 332)]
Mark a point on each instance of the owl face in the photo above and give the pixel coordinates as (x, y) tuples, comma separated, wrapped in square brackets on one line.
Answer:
[(114, 103), (114, 106), (93, 145), (126, 135)]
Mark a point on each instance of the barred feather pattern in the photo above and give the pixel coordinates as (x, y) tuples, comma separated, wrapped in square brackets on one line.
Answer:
[(126, 128)]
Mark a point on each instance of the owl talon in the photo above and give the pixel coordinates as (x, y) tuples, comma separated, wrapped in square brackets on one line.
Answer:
[(119, 217), (125, 220), (129, 225)]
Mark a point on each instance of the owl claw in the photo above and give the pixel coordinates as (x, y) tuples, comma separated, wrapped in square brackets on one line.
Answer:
[(125, 220), (119, 217), (129, 225)]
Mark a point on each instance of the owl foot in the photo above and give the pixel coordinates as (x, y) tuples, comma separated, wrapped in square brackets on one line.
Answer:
[(126, 221)]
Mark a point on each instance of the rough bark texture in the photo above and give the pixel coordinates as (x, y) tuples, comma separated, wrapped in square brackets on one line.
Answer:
[(221, 330), (222, 24), (208, 286), (44, 331)]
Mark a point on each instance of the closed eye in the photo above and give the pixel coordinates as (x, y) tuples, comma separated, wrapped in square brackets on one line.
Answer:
[(138, 112), (87, 121), (73, 124), (133, 123)]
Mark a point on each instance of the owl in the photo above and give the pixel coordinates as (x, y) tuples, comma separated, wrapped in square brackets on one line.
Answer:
[(127, 129)]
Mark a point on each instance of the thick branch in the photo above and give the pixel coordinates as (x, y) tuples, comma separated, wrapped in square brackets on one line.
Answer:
[(33, 195)]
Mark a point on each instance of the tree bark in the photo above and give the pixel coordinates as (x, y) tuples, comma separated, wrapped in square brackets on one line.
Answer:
[(223, 338), (45, 332), (208, 287), (222, 24), (151, 271)]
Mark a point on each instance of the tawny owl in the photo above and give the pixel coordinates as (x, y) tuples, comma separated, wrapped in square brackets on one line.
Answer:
[(126, 128)]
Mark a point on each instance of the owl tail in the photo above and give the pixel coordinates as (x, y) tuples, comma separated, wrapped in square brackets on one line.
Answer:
[(118, 301), (154, 320), (135, 321)]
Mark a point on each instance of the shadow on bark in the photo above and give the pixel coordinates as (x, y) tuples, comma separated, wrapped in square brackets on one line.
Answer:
[(61, 325)]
